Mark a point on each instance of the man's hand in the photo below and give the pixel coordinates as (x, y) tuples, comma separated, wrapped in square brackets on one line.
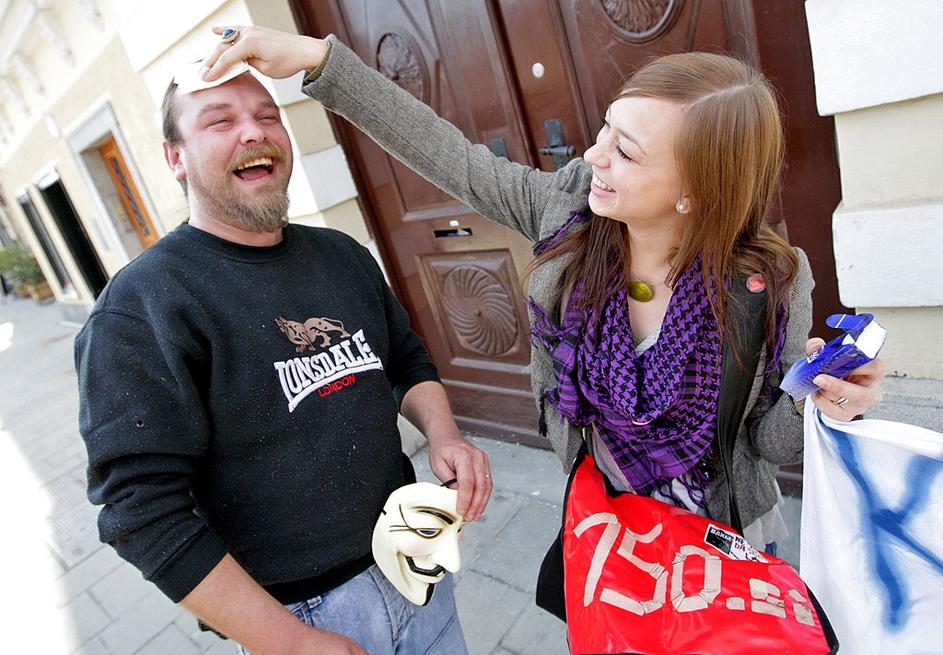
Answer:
[(455, 458), (842, 400), (230, 601), (451, 456), (322, 642), (272, 53)]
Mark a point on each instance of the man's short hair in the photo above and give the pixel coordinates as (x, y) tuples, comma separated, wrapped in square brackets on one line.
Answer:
[(168, 121), (169, 115)]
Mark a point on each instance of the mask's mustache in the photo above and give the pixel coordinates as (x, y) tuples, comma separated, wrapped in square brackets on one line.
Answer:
[(432, 573), (271, 151)]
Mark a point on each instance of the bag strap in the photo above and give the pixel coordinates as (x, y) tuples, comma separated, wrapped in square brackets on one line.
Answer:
[(747, 325)]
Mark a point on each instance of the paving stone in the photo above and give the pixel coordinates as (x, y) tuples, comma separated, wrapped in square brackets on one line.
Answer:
[(186, 624), (479, 537), (483, 623), (515, 557), (86, 573), (169, 641), (46, 473), (536, 632), (911, 411), (514, 466), (67, 452), (72, 530), (93, 646), (222, 648), (789, 547), (84, 618), (140, 623), (120, 590)]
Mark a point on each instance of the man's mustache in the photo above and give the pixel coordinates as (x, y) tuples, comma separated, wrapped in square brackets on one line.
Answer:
[(270, 151)]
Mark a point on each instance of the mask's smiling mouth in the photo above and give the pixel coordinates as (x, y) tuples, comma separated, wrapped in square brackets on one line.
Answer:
[(436, 573)]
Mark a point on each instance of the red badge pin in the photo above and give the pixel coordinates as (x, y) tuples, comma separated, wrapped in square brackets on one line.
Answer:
[(756, 283)]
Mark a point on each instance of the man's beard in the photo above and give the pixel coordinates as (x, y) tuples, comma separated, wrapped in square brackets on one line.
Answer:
[(265, 212)]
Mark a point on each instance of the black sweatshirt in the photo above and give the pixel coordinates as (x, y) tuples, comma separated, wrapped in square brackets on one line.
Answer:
[(244, 400)]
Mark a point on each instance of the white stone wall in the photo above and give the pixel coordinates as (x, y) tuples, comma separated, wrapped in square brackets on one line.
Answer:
[(879, 70)]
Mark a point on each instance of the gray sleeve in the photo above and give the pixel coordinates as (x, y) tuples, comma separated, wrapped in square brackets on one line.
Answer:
[(777, 434), (508, 193)]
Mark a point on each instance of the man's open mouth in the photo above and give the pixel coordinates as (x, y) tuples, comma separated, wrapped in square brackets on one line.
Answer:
[(254, 169), (431, 573)]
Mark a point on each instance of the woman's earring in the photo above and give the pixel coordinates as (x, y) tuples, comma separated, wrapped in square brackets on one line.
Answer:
[(682, 207)]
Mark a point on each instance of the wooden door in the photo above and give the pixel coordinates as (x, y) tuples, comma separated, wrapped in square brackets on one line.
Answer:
[(127, 191), (457, 273), (506, 69)]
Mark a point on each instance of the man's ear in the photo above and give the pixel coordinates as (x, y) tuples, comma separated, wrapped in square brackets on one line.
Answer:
[(174, 160)]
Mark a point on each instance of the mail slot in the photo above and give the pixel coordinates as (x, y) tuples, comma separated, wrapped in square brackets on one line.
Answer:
[(453, 232)]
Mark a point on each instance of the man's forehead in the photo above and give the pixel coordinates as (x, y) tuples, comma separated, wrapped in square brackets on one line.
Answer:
[(244, 89)]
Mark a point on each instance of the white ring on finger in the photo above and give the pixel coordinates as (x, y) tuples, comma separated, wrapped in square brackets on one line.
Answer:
[(230, 34)]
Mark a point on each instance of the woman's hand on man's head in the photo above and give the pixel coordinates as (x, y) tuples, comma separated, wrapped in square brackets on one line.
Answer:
[(272, 53)]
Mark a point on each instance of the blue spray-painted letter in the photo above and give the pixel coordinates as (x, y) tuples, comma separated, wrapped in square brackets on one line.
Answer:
[(881, 524)]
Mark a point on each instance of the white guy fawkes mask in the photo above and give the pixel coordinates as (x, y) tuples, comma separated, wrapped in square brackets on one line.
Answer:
[(416, 537)]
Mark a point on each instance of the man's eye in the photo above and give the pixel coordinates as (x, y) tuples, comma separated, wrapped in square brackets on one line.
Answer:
[(428, 532)]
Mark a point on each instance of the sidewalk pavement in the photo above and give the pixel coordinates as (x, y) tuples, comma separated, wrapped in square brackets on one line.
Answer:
[(64, 592)]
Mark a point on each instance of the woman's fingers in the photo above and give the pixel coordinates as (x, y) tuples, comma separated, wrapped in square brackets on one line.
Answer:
[(273, 53), (813, 345), (845, 399)]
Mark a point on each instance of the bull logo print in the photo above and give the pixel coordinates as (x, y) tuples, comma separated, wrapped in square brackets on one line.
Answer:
[(305, 335)]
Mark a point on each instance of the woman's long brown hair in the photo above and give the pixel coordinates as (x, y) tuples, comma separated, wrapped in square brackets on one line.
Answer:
[(729, 149)]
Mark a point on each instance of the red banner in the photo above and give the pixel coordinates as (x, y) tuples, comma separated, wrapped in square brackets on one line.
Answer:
[(642, 576)]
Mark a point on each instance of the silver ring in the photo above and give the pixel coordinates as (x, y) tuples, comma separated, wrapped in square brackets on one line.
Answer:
[(841, 401), (230, 34), (487, 475)]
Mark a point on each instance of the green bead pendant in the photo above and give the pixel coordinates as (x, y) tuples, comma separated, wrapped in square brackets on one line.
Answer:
[(640, 291)]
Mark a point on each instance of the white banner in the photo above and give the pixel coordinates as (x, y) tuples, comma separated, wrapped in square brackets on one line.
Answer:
[(872, 532)]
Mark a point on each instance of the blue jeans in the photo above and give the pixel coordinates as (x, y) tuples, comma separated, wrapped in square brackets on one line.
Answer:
[(369, 610)]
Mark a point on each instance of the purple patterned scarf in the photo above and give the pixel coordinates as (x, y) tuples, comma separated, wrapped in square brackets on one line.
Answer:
[(657, 411)]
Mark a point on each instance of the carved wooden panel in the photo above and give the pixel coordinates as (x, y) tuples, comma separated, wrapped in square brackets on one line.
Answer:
[(641, 20), (399, 58), (477, 303)]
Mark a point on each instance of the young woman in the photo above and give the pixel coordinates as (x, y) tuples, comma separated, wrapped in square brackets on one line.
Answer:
[(652, 266)]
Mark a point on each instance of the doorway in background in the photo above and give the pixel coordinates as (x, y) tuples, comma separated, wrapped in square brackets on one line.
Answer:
[(73, 233)]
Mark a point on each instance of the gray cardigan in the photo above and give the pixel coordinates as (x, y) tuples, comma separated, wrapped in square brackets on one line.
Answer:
[(536, 203)]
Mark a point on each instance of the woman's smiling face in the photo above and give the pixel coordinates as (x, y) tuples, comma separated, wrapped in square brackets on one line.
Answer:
[(635, 174)]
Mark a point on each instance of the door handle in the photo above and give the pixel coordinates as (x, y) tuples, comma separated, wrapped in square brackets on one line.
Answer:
[(500, 148), (557, 149)]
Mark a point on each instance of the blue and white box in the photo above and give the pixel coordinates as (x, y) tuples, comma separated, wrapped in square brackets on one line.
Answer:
[(860, 343)]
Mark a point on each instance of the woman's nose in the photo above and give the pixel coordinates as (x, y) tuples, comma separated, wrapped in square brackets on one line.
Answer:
[(595, 155)]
